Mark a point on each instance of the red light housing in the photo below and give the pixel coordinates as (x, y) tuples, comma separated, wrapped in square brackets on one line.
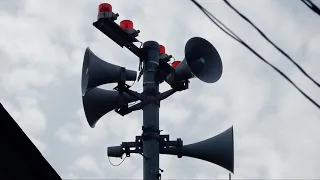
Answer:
[(104, 7), (162, 49), (126, 24), (175, 64)]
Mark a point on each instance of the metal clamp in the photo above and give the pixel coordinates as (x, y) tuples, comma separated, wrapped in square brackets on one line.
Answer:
[(150, 133), (110, 15), (179, 145), (164, 143), (150, 97)]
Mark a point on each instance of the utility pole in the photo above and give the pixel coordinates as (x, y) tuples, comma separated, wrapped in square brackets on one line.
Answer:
[(201, 61), (151, 111)]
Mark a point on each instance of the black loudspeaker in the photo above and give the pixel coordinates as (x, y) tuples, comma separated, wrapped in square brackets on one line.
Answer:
[(201, 60), (96, 72), (115, 151), (97, 102), (218, 150)]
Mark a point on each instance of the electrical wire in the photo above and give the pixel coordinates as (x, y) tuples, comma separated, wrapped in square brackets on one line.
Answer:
[(133, 83), (235, 37), (312, 6), (139, 69), (273, 44), (141, 44), (117, 164)]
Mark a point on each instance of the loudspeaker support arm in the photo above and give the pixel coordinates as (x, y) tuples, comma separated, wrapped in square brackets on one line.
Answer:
[(117, 34), (165, 94), (165, 146), (126, 110), (134, 94), (136, 107)]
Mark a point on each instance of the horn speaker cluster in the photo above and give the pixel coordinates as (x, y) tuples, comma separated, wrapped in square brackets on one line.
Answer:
[(201, 61), (96, 101)]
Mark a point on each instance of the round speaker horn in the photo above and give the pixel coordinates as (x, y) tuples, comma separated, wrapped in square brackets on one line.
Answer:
[(203, 60)]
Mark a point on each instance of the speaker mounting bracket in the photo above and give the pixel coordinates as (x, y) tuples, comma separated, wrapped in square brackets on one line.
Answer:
[(179, 85), (117, 34), (122, 82), (164, 143), (124, 110), (126, 89), (123, 87), (183, 85), (165, 57)]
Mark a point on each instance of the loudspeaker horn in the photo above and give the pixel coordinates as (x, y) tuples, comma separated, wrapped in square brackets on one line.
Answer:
[(201, 60), (218, 150), (97, 102), (96, 72)]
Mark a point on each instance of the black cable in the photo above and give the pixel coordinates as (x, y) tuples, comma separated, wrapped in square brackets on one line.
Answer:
[(117, 164), (312, 6), (210, 16), (274, 45), (235, 37)]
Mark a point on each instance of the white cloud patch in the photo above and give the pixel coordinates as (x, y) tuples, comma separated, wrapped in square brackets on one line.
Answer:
[(87, 163), (31, 118)]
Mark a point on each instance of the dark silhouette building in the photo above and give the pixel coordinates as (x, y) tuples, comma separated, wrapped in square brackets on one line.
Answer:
[(19, 157)]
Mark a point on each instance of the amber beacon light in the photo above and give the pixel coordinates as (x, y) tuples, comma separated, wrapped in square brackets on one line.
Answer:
[(126, 24), (104, 7), (162, 49)]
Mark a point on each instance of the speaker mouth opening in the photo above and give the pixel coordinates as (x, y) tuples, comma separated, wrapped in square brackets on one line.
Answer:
[(85, 72), (203, 59), (84, 83)]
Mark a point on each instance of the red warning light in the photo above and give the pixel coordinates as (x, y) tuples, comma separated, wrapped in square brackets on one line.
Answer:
[(126, 24), (104, 7), (175, 64), (162, 49)]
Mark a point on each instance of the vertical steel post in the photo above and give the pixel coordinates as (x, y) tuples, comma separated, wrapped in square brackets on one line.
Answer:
[(150, 111)]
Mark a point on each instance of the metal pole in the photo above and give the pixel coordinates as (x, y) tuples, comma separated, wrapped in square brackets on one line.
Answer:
[(150, 111)]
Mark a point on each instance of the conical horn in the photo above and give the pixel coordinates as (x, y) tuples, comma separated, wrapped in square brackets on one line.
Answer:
[(97, 102), (218, 150), (201, 60), (96, 72)]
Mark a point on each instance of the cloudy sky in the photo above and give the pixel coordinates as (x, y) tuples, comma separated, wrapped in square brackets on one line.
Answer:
[(276, 129)]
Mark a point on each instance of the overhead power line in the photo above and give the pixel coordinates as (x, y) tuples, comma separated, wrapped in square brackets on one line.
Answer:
[(225, 29), (312, 6), (273, 44)]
